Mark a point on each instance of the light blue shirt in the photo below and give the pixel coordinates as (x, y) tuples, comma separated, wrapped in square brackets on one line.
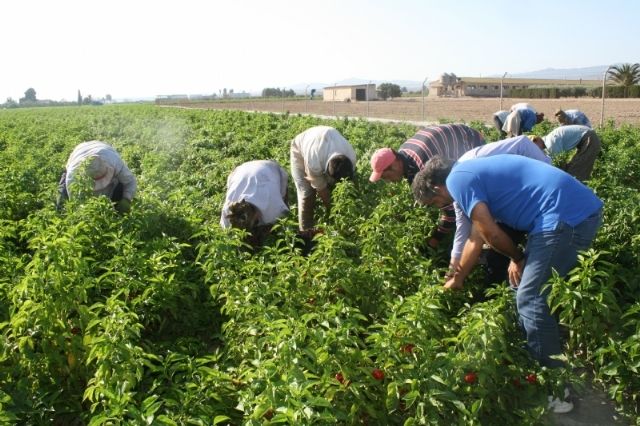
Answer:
[(564, 138), (575, 116), (522, 193)]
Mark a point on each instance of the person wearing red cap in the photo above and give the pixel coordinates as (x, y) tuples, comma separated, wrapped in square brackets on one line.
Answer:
[(447, 140)]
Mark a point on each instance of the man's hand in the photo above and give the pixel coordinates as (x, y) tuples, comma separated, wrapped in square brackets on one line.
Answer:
[(515, 272), (454, 283), (123, 206)]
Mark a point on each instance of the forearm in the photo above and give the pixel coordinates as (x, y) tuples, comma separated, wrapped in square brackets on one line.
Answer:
[(464, 265), (502, 243), (325, 196)]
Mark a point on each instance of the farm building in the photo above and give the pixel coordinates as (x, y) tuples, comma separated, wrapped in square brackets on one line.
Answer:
[(355, 92), (449, 85)]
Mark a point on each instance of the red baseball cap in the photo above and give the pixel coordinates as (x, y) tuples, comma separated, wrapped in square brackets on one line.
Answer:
[(380, 160)]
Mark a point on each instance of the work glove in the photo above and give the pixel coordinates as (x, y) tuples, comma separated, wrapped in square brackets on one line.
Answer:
[(123, 206)]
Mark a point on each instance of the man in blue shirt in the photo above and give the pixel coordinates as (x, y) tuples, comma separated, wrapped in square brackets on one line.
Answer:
[(560, 215), (566, 138), (572, 116)]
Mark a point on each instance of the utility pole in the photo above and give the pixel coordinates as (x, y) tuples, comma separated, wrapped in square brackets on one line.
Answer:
[(501, 84), (604, 81), (424, 82)]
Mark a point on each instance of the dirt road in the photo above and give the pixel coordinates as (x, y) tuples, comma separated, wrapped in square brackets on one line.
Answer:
[(435, 110)]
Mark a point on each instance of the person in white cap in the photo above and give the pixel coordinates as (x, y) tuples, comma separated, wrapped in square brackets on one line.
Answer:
[(256, 198), (320, 156), (111, 176)]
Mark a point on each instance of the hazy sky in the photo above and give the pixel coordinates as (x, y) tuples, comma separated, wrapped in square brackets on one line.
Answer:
[(131, 48)]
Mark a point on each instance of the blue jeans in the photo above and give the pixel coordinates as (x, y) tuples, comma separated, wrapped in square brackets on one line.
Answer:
[(546, 251)]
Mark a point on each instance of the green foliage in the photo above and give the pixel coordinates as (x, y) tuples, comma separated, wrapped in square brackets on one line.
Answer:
[(161, 317), (389, 91)]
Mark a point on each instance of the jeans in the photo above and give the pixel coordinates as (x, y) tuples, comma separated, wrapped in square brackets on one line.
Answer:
[(546, 251)]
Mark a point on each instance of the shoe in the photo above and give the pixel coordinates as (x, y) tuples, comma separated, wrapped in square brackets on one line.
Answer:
[(559, 406)]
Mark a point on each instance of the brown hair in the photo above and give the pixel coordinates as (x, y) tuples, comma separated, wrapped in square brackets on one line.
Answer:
[(340, 167), (243, 215)]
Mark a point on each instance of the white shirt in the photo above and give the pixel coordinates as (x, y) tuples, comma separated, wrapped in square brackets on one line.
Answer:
[(106, 152), (317, 146), (262, 183)]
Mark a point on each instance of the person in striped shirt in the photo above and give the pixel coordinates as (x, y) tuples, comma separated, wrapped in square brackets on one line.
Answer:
[(447, 140)]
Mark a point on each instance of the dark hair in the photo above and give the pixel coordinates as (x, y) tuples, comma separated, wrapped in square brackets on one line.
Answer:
[(340, 167), (539, 117), (434, 173), (243, 215)]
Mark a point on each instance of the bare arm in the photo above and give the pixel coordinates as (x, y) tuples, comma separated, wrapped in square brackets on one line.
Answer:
[(462, 268), (325, 196)]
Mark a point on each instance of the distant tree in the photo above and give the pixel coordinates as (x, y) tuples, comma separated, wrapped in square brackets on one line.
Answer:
[(270, 92), (230, 92), (30, 95), (626, 75), (87, 100), (404, 89), (108, 98), (313, 92), (389, 90), (224, 93), (10, 103), (79, 98)]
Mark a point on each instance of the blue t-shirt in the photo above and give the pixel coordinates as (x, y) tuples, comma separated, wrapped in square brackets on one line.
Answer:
[(528, 195), (528, 119)]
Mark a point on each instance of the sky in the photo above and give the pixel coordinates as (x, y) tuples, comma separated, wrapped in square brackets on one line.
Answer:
[(141, 48)]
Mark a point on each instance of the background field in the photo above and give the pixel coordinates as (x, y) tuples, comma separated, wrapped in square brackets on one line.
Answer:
[(436, 109)]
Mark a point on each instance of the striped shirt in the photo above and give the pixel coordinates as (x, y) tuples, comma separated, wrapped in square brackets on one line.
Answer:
[(448, 141)]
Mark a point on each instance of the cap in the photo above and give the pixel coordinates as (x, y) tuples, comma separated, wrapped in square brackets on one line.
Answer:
[(101, 172), (380, 160)]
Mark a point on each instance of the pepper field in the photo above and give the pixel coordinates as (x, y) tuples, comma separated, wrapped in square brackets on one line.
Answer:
[(161, 317)]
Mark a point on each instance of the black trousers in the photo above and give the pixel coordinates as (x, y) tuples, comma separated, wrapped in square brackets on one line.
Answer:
[(498, 264)]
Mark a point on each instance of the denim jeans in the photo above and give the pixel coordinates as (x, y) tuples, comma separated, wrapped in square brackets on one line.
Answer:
[(546, 251)]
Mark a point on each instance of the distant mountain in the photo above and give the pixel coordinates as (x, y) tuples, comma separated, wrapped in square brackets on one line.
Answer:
[(586, 73)]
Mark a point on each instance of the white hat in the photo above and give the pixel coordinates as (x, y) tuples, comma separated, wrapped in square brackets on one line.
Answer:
[(101, 172)]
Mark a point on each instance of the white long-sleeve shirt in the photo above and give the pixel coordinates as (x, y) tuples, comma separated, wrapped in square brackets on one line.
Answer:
[(317, 146), (262, 183), (122, 174)]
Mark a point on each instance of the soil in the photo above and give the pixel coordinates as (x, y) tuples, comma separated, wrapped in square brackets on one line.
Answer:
[(435, 109), (591, 408)]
